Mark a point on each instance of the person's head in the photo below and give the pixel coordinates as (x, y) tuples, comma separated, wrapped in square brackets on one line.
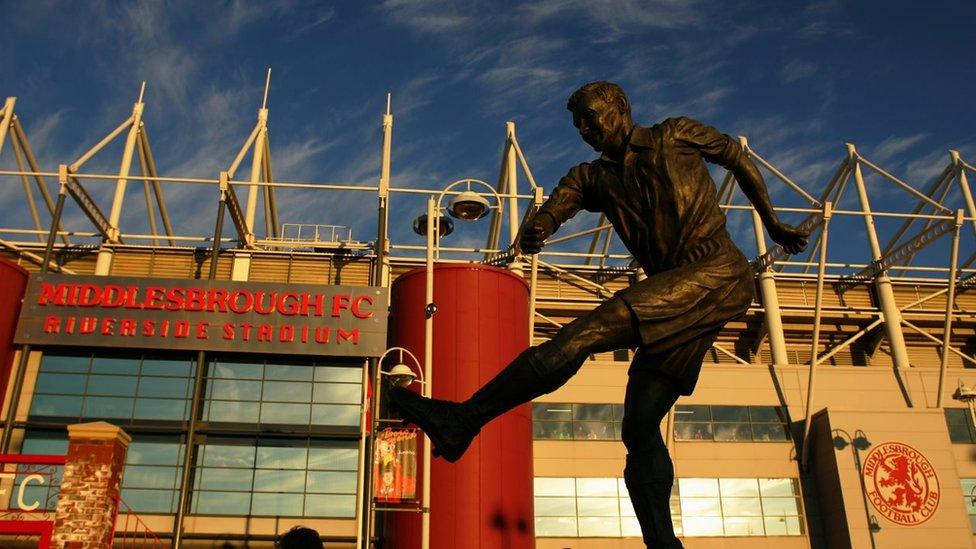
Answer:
[(601, 112), (300, 537)]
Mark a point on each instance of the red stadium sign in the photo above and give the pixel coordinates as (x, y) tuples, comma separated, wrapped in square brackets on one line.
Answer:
[(204, 315)]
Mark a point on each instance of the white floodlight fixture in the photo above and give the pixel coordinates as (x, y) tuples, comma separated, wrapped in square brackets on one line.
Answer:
[(445, 225), (469, 206), (964, 393), (401, 375)]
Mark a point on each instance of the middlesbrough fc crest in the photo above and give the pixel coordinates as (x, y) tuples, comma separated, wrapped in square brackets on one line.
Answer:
[(901, 483)]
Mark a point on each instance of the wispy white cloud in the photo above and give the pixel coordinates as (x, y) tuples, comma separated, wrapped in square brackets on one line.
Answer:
[(431, 16), (797, 69), (622, 16), (889, 150)]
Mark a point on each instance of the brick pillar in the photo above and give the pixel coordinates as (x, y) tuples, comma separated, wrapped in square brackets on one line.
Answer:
[(87, 505)]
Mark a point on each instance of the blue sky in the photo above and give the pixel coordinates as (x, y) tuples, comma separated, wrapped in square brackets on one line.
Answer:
[(798, 78)]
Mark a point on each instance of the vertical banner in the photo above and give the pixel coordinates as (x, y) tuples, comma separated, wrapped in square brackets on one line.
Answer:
[(395, 466)]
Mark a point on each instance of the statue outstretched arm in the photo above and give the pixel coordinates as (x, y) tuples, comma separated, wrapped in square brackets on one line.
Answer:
[(569, 197), (722, 149)]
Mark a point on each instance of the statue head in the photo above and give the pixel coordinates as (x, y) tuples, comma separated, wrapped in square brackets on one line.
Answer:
[(601, 112)]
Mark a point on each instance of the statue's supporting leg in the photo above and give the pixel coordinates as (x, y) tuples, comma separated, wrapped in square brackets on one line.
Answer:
[(649, 473), (537, 371)]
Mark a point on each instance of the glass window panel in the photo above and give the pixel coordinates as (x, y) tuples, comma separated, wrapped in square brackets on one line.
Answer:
[(767, 414), (149, 476), (287, 372), (554, 486), (618, 412), (698, 487), (161, 408), (959, 433), (630, 528), (702, 526), (238, 370), (48, 405), (222, 503), (335, 414), (693, 431), (65, 363), (154, 453), (149, 501), (769, 432), (552, 430), (692, 412), (552, 411), (598, 507), (115, 365), (700, 507), (744, 526), (332, 482), (61, 383), (596, 487), (339, 375), (164, 387), (593, 412), (739, 487), (228, 456), (555, 507), (279, 481), (968, 489), (337, 393), (783, 526), (562, 527), (730, 413), (333, 459), (317, 505), (780, 507), (112, 385), (226, 389), (223, 479), (972, 523), (171, 368), (285, 413), (777, 487), (732, 431), (287, 391), (627, 508), (270, 457), (39, 444), (239, 412), (599, 527), (108, 407), (741, 507), (592, 430)]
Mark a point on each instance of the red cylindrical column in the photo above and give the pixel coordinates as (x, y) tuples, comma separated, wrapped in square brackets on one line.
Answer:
[(485, 499), (13, 282)]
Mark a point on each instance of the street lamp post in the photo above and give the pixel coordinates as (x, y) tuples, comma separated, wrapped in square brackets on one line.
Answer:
[(467, 206)]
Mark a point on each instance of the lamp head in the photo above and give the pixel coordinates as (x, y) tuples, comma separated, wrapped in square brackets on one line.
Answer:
[(401, 375), (445, 225), (965, 393), (468, 206)]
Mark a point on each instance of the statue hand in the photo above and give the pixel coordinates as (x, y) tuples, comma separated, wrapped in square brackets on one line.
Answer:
[(535, 234), (792, 239)]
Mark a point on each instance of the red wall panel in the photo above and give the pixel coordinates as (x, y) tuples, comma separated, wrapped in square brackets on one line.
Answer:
[(13, 282), (485, 499)]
